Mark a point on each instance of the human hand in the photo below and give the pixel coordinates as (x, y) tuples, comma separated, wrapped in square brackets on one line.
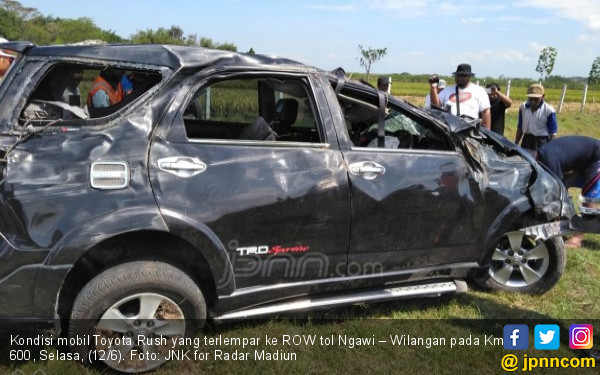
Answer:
[(434, 79)]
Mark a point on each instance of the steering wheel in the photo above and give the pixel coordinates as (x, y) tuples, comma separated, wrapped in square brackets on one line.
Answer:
[(406, 139)]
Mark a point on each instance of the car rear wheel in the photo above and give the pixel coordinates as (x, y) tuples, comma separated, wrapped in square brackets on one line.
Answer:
[(523, 264), (131, 308)]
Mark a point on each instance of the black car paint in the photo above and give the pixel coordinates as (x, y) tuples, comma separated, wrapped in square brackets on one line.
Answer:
[(436, 224)]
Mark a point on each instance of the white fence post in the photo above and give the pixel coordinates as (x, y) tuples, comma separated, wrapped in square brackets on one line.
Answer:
[(390, 86), (508, 88), (584, 96), (562, 97)]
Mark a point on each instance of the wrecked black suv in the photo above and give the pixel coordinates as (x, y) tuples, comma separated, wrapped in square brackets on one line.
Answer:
[(228, 186)]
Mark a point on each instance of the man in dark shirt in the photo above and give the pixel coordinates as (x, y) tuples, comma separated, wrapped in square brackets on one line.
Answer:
[(569, 157), (576, 161), (498, 105)]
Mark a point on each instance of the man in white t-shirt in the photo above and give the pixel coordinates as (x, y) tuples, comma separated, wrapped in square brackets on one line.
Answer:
[(474, 101)]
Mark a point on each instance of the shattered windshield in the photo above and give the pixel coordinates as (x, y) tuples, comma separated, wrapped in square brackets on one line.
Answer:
[(396, 121)]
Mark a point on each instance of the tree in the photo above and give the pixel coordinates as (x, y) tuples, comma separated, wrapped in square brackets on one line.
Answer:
[(594, 76), (174, 35), (19, 10), (10, 25), (251, 51), (545, 63), (369, 56)]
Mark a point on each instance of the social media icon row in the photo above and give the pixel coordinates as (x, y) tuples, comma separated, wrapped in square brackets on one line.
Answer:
[(547, 336)]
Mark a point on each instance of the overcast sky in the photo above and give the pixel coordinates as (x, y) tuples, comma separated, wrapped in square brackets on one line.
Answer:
[(421, 36)]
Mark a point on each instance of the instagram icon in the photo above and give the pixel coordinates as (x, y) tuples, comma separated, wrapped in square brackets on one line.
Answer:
[(581, 336)]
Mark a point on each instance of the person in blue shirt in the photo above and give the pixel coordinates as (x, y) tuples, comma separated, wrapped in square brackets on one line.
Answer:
[(576, 161)]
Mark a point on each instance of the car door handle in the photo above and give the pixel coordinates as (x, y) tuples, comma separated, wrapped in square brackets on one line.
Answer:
[(181, 166), (369, 170)]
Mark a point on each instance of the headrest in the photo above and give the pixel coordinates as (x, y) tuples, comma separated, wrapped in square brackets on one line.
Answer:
[(286, 111)]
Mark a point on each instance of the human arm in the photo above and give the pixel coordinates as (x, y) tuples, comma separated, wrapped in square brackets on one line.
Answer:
[(100, 100), (552, 125), (486, 118), (503, 98), (433, 93), (519, 134), (485, 112)]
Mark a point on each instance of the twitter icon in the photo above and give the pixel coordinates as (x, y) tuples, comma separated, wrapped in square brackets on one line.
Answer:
[(547, 336)]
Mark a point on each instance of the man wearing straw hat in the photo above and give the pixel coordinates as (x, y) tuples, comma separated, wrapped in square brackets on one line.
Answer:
[(537, 120)]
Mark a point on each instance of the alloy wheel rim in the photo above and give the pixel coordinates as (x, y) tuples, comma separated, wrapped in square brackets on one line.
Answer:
[(519, 261), (130, 332)]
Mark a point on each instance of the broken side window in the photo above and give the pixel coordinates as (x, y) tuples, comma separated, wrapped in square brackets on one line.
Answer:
[(403, 131), (75, 93), (258, 109)]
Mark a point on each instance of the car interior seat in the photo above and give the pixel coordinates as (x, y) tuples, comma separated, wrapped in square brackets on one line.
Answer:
[(259, 130), (286, 112)]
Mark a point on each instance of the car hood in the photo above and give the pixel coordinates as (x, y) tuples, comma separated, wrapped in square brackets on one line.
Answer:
[(499, 158)]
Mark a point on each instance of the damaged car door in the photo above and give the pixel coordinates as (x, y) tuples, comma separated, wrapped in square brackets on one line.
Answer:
[(415, 200), (246, 163)]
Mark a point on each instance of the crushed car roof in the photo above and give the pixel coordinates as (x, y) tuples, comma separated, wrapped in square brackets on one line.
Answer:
[(171, 56)]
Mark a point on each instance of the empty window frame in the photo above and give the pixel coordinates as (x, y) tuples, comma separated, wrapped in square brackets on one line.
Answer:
[(76, 93), (256, 109)]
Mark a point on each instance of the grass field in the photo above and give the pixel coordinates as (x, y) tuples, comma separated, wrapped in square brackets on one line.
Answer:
[(417, 86), (476, 314)]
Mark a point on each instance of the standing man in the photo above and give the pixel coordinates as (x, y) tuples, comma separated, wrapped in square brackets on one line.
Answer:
[(383, 83), (498, 105), (440, 86), (537, 120), (472, 99)]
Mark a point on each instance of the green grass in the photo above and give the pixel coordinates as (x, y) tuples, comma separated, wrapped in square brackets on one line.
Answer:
[(573, 300), (418, 90)]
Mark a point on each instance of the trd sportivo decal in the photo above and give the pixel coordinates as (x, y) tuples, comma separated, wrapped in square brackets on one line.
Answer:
[(277, 249)]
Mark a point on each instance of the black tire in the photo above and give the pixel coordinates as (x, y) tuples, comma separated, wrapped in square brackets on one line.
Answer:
[(522, 264), (150, 299)]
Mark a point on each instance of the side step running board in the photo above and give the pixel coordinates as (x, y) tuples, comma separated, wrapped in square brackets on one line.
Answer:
[(422, 290)]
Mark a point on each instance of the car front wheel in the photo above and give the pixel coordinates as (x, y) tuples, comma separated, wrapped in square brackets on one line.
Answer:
[(523, 264), (127, 311)]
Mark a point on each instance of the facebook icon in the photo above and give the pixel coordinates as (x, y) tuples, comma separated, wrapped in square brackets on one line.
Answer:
[(516, 336)]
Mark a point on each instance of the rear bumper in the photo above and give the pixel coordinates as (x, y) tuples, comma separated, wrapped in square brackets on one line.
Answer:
[(28, 287)]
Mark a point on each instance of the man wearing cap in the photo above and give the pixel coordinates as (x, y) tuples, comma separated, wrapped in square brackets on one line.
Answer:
[(383, 83), (473, 100), (440, 86), (537, 120)]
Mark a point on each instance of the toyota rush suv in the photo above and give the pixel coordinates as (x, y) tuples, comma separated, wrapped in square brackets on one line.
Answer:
[(225, 186)]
